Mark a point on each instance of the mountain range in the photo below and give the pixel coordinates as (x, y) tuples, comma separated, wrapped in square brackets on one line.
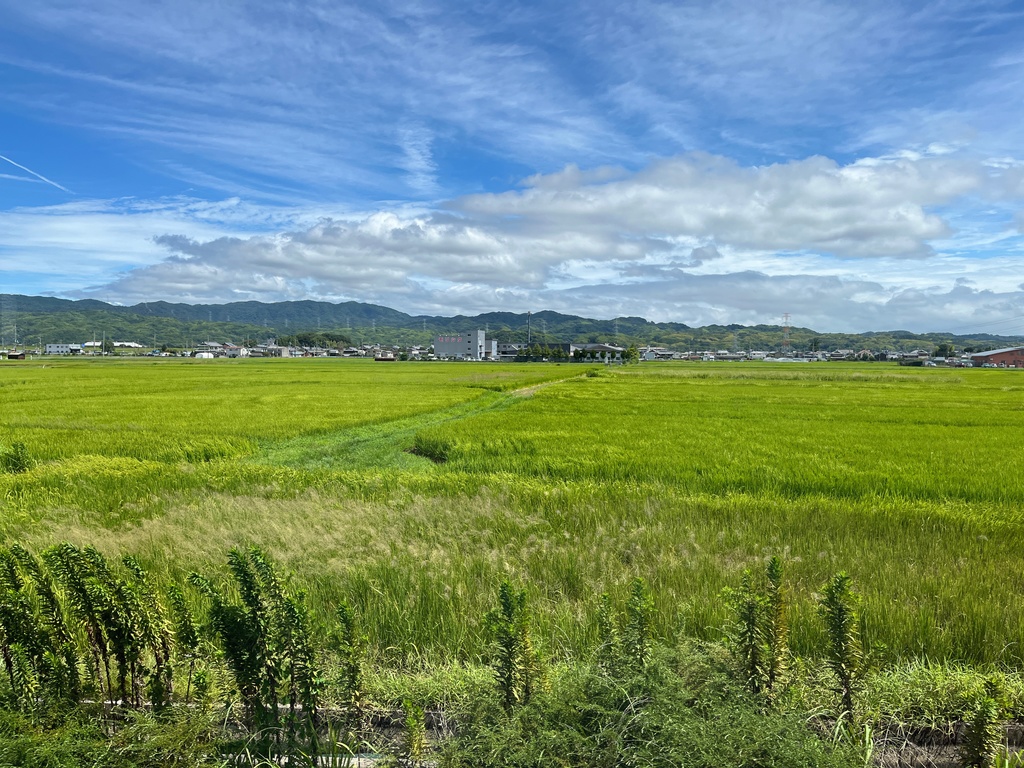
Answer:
[(41, 319)]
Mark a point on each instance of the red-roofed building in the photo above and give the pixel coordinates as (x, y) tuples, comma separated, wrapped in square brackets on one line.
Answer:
[(1010, 357)]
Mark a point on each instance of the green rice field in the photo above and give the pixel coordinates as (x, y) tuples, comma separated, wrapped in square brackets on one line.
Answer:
[(413, 489)]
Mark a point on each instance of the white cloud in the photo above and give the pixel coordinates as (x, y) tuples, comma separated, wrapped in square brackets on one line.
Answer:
[(858, 210), (692, 239), (421, 170)]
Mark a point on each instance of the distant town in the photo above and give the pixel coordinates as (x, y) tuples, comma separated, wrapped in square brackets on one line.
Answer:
[(477, 346)]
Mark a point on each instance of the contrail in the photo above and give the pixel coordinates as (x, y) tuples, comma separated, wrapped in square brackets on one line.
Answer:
[(19, 178), (37, 175)]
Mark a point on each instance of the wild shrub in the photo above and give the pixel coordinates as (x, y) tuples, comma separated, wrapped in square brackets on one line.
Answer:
[(516, 663), (154, 633), (351, 649), (746, 637), (686, 709), (267, 644), (625, 640), (776, 626), (984, 733), (240, 639), (83, 598), (37, 651), (838, 608), (433, 446), (129, 628), (292, 642), (14, 458), (61, 677), (759, 635), (412, 747), (186, 635)]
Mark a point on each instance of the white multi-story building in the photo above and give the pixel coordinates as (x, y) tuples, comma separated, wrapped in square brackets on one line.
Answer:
[(63, 349), (465, 346)]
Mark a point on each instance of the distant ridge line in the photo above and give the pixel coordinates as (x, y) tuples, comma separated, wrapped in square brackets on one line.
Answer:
[(359, 320)]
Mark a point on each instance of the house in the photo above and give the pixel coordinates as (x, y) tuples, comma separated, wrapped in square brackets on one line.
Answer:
[(1007, 357), (656, 353), (215, 348)]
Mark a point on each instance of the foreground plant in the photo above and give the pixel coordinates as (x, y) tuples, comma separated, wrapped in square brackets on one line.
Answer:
[(759, 636), (516, 662), (837, 607)]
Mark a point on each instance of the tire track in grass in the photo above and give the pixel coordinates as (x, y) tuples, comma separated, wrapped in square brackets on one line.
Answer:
[(384, 444)]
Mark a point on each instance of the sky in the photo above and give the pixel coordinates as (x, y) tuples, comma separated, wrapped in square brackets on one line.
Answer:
[(857, 165)]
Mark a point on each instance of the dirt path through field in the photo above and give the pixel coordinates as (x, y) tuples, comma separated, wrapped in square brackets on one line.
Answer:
[(385, 444), (533, 389)]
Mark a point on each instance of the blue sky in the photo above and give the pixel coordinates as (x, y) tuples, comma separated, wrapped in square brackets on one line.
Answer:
[(857, 165)]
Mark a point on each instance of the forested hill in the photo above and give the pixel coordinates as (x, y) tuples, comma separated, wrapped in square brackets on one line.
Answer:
[(35, 318)]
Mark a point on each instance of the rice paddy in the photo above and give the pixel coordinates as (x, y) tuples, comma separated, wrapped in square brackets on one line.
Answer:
[(413, 489)]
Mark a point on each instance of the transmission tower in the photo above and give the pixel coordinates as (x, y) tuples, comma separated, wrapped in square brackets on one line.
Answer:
[(787, 348)]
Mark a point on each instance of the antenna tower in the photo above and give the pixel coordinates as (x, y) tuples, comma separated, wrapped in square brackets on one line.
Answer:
[(787, 347)]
